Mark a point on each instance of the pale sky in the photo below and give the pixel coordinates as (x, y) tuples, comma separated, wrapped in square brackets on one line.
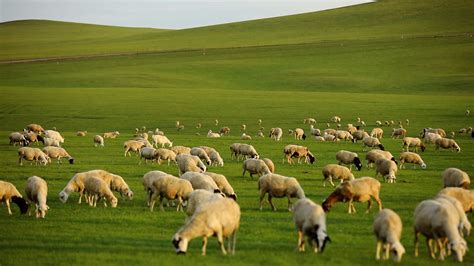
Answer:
[(165, 14)]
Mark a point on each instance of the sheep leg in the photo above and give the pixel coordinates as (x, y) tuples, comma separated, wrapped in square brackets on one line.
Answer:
[(220, 240), (369, 205), (378, 249), (204, 244), (271, 203), (300, 241), (430, 248), (387, 251), (8, 206), (180, 204), (161, 204), (234, 241), (152, 201), (290, 205), (330, 180)]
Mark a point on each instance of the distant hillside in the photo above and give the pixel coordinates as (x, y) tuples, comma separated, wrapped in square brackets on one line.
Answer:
[(380, 20)]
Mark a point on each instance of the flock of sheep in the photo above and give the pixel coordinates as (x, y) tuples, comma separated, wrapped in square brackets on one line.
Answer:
[(211, 202)]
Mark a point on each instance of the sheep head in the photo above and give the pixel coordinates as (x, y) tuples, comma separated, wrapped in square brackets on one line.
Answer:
[(180, 244)]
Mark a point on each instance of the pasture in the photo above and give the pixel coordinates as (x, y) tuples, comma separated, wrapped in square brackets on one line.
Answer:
[(426, 80)]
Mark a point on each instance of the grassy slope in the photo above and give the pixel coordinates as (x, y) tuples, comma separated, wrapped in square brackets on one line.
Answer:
[(380, 20)]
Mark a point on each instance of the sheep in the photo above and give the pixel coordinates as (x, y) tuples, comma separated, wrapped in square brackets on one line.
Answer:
[(430, 138), (161, 140), (413, 142), (18, 138), (359, 135), (245, 137), (299, 134), (438, 131), (53, 134), (220, 217), (454, 177), (58, 153), (118, 184), (216, 158), (165, 154), (199, 197), (142, 135), (189, 163), (98, 188), (372, 142), (223, 131), (320, 138), (387, 168), (464, 224), (314, 131), (411, 157), (468, 112), (388, 230), (132, 146), (198, 125), (299, 152), (255, 166), (243, 127), (98, 141), (377, 133), (334, 171), (32, 137), (344, 135), (438, 220), (211, 134), (360, 189), (216, 122), (329, 131), (51, 142), (260, 134), (336, 119), (310, 220), (309, 121), (9, 193), (207, 149), (147, 153), (170, 187), (329, 137), (147, 182), (37, 192), (110, 135), (378, 123), (397, 132), (464, 196), (32, 154), (290, 132), (234, 150), (351, 128), (373, 155), (181, 150), (223, 185), (199, 152), (447, 144), (247, 150), (35, 128), (270, 164), (276, 133), (279, 186), (349, 158), (81, 133), (200, 181)]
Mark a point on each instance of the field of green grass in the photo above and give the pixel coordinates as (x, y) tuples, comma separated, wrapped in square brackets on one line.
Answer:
[(370, 73)]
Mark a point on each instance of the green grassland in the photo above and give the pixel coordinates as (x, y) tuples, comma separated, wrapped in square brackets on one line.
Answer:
[(363, 70)]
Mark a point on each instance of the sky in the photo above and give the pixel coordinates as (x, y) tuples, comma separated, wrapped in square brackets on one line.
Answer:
[(164, 14)]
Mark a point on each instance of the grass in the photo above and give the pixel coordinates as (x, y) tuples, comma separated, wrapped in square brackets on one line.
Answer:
[(365, 74)]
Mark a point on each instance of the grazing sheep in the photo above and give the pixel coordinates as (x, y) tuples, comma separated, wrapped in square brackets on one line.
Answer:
[(279, 186), (437, 220), (255, 166), (260, 134), (36, 192), (320, 138), (373, 155), (349, 158), (344, 135), (148, 180), (133, 146), (170, 187), (118, 184), (210, 134), (387, 168), (351, 128), (334, 171), (18, 138), (388, 231), (147, 153), (216, 158), (9, 193), (299, 134), (464, 196), (314, 131), (224, 131), (411, 157), (413, 142), (161, 140), (111, 135), (32, 137), (220, 218), (51, 142), (58, 153), (378, 123), (98, 141), (32, 154), (223, 185), (189, 163), (329, 131), (270, 164), (52, 134), (430, 138), (454, 177), (200, 181), (98, 188), (464, 224), (336, 119), (181, 150), (35, 128), (245, 137), (310, 221), (199, 197), (438, 131), (243, 127), (245, 150), (397, 132), (299, 152), (276, 133), (329, 137), (377, 133), (360, 189), (359, 135), (447, 144), (201, 153), (166, 155), (309, 121), (81, 133), (372, 142)]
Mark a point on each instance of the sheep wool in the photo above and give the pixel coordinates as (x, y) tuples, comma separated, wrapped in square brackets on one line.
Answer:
[(37, 192), (388, 231), (310, 221)]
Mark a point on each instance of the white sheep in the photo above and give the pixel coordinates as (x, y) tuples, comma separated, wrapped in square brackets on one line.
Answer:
[(377, 132), (200, 181), (201, 153), (430, 138), (38, 129), (247, 150), (320, 138), (344, 135), (464, 196), (245, 137), (97, 188), (9, 193), (58, 153), (279, 186), (298, 152), (411, 157), (359, 135), (378, 123), (133, 146), (372, 142), (18, 138), (314, 131), (211, 134), (54, 135), (98, 141), (329, 137), (464, 224), (165, 154), (32, 154), (372, 155), (81, 133), (270, 164), (351, 128), (413, 142), (220, 218), (276, 133), (330, 131), (111, 135), (199, 197), (438, 131), (189, 163), (309, 120), (255, 166), (299, 134), (224, 131), (170, 187), (147, 153), (397, 132), (349, 158), (216, 158), (181, 150), (387, 168), (161, 140), (223, 184), (336, 119), (51, 142), (234, 150), (310, 221), (148, 180), (388, 231), (447, 144), (454, 177), (334, 171), (37, 192)]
